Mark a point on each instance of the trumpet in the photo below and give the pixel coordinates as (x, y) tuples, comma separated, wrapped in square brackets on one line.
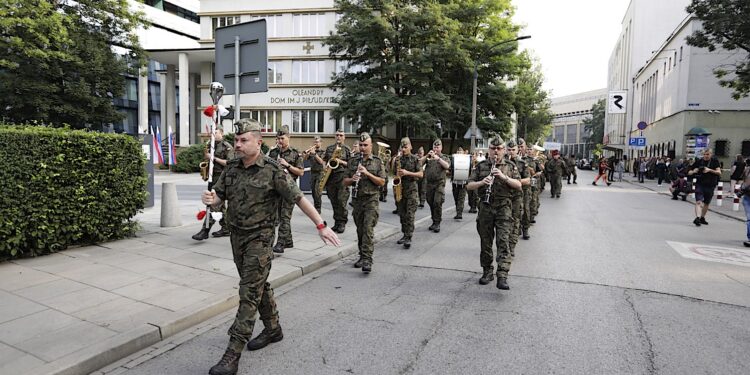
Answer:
[(310, 150)]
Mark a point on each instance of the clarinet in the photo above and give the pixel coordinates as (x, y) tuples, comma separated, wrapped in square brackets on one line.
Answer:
[(488, 193), (355, 188)]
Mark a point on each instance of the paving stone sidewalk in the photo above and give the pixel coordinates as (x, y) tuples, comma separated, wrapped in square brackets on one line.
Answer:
[(79, 310)]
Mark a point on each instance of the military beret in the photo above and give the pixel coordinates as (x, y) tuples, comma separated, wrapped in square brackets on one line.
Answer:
[(521, 142), (316, 138), (555, 152), (405, 141), (247, 125), (437, 143), (283, 130), (364, 136), (496, 140), (510, 144)]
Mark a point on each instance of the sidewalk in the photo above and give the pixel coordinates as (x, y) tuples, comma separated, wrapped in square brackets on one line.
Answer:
[(79, 310)]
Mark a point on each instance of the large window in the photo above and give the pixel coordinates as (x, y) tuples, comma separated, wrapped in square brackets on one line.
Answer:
[(223, 21), (349, 126), (309, 24), (270, 119), (571, 134), (343, 66), (308, 121), (720, 148), (745, 149), (273, 24), (274, 72), (309, 72)]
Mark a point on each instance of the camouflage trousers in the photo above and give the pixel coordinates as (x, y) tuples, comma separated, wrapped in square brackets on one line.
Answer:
[(534, 203), (384, 190), (252, 256), (338, 194), (526, 214), (494, 225), (366, 212), (516, 212), (473, 198), (459, 196), (317, 194), (420, 188), (407, 207), (555, 182), (435, 192), (285, 225)]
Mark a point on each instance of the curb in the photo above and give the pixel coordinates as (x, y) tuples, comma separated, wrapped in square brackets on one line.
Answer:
[(88, 360), (729, 216)]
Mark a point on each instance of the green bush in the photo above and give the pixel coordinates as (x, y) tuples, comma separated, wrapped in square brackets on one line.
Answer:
[(189, 159), (62, 187)]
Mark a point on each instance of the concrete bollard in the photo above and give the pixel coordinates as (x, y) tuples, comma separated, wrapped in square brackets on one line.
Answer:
[(720, 194), (692, 195), (736, 200), (170, 206)]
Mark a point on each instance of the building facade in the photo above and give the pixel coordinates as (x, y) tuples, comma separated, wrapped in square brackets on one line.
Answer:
[(567, 124)]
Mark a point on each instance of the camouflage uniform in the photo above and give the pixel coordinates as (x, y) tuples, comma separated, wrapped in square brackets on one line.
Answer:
[(294, 158), (494, 221), (570, 164), (316, 171), (421, 191), (254, 194), (434, 176), (338, 194), (530, 195), (366, 209), (555, 168), (459, 193), (517, 205), (409, 194)]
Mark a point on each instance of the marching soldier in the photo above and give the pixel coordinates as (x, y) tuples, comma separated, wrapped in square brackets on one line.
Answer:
[(254, 185), (290, 160), (366, 175), (420, 183), (529, 190), (518, 195), (434, 173), (315, 155), (494, 222), (222, 154), (459, 191), (570, 164), (472, 194), (555, 168), (537, 186), (338, 194), (409, 169)]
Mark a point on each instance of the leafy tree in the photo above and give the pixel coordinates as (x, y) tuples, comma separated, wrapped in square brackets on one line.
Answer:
[(594, 126), (532, 105), (726, 24), (61, 66)]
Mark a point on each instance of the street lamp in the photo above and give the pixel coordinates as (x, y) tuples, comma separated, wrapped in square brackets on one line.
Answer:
[(474, 93)]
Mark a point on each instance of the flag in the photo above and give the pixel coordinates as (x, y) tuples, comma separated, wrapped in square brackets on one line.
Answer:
[(172, 155), (158, 154)]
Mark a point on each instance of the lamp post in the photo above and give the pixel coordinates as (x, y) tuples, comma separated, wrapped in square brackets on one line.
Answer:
[(474, 93)]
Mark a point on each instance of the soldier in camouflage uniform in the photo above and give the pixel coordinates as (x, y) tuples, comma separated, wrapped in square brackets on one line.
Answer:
[(316, 168), (458, 189), (338, 194), (472, 194), (421, 183), (570, 164), (518, 195), (366, 176), (555, 168), (494, 221), (436, 164), (291, 160), (254, 185), (529, 190), (222, 154), (536, 188), (410, 172)]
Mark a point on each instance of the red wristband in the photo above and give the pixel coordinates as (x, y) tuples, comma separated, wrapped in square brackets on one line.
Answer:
[(321, 225)]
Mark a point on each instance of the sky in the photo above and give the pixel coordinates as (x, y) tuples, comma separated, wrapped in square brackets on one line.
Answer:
[(572, 39)]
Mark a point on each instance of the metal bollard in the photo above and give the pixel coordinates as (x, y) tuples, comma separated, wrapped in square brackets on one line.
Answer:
[(692, 195), (170, 206), (736, 200), (720, 194)]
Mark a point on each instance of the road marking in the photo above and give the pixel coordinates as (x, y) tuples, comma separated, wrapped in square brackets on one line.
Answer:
[(709, 253)]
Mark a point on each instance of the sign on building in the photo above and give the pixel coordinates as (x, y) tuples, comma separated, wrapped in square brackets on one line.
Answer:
[(617, 101), (552, 145), (242, 56)]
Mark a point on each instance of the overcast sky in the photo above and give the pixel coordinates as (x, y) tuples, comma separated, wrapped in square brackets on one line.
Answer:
[(573, 40)]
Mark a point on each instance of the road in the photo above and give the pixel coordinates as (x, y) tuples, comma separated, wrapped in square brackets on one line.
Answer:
[(601, 288)]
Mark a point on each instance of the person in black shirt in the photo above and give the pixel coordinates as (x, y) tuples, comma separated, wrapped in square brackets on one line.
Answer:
[(707, 171)]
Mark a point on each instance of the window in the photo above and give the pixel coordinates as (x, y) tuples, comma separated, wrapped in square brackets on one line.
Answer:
[(344, 66), (223, 21), (680, 53), (349, 125), (571, 134), (274, 72), (308, 121), (720, 148), (745, 150), (675, 59), (270, 119), (273, 24), (309, 24), (309, 72)]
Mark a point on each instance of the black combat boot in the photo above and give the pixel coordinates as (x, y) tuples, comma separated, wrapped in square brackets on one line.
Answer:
[(401, 240), (437, 228), (227, 365), (203, 234), (432, 227), (395, 212), (502, 283), (407, 243), (525, 235), (487, 276), (458, 216), (278, 248), (264, 338), (473, 210), (366, 266), (358, 263), (223, 232)]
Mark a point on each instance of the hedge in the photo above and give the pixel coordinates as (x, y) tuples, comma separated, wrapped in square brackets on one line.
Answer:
[(62, 187)]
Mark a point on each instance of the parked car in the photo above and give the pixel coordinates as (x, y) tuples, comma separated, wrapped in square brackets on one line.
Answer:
[(584, 164)]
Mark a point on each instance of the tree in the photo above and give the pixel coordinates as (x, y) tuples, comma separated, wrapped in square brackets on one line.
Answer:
[(726, 24), (594, 125), (532, 105), (61, 66)]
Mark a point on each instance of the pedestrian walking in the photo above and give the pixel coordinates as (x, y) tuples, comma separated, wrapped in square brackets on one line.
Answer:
[(291, 161), (458, 187), (555, 168), (661, 171), (336, 155), (315, 156), (253, 186), (570, 165), (707, 171), (420, 182), (603, 171), (619, 169), (517, 196), (409, 169), (436, 165), (642, 168), (738, 169)]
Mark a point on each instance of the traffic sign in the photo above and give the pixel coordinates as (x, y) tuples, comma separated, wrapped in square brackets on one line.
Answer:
[(241, 56), (616, 102), (637, 142), (642, 125)]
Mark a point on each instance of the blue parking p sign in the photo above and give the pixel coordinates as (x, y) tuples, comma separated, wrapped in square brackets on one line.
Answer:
[(637, 142)]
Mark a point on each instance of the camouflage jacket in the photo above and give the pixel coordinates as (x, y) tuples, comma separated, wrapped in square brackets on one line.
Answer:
[(409, 163), (523, 172), (375, 166), (499, 189), (555, 167), (291, 155), (434, 172), (222, 150), (316, 167), (346, 154), (255, 192)]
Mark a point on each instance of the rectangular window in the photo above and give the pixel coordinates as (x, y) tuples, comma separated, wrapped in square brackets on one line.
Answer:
[(745, 149), (349, 126), (344, 66), (274, 73), (308, 121), (223, 21), (273, 24), (309, 24), (270, 119), (571, 134), (309, 72), (720, 148)]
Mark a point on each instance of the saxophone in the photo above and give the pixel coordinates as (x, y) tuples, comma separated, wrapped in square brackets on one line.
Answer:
[(330, 166), (397, 181)]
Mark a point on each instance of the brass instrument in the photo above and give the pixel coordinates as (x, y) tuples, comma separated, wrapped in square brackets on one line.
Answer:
[(384, 152), (397, 188), (309, 151), (488, 193), (204, 170), (330, 166)]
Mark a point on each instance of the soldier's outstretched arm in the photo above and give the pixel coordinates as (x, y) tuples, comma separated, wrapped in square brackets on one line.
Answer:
[(326, 234)]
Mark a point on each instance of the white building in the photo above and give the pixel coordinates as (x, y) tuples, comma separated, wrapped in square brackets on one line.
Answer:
[(567, 125)]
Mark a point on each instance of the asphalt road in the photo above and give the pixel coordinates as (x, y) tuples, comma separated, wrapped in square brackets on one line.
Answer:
[(601, 288)]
